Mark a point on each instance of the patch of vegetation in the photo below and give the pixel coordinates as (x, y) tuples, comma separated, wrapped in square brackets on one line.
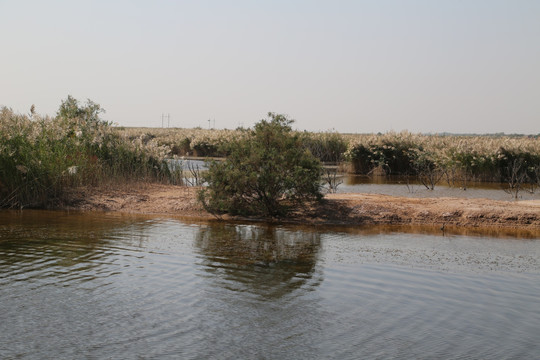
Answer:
[(328, 147), (458, 159), (41, 157), (268, 172), (518, 171)]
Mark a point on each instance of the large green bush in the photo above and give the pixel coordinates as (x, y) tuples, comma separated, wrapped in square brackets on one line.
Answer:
[(268, 172)]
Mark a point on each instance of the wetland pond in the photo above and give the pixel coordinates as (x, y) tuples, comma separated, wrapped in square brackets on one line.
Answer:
[(398, 185), (411, 187), (105, 285)]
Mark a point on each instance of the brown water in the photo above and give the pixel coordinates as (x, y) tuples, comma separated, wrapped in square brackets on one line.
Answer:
[(123, 287)]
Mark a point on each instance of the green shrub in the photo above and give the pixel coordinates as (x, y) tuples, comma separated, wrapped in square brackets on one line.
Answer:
[(206, 150), (268, 172), (394, 157)]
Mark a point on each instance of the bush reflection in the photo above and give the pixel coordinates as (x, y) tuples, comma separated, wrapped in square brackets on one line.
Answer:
[(265, 260)]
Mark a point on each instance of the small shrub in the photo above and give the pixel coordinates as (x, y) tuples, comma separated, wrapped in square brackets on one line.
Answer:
[(518, 169), (427, 169), (268, 172)]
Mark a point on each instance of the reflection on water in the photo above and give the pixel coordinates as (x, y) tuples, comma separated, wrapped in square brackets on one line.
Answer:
[(187, 164), (435, 230), (410, 187), (263, 259), (116, 286), (38, 245)]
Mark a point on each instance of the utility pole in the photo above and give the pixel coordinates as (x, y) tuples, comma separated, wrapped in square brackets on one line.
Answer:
[(163, 116)]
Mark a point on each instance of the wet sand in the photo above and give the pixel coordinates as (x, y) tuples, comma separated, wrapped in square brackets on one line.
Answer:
[(336, 209)]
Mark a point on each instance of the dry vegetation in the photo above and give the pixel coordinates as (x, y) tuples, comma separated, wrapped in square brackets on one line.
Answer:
[(458, 160), (42, 156), (443, 148)]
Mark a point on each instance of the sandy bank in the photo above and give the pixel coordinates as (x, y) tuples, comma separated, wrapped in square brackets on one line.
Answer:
[(337, 209)]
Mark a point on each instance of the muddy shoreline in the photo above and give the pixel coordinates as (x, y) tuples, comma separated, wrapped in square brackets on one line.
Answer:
[(336, 210)]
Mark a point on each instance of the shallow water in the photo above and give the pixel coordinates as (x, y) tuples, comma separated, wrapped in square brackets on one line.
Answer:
[(187, 164), (116, 286), (398, 186)]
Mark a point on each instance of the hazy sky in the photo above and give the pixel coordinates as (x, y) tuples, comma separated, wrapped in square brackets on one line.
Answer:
[(352, 66)]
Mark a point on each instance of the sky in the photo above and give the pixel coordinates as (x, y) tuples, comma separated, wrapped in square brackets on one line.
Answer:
[(350, 66)]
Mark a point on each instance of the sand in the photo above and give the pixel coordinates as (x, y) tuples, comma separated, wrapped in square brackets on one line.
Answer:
[(337, 209)]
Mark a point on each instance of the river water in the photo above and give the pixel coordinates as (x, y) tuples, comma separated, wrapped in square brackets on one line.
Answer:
[(76, 285)]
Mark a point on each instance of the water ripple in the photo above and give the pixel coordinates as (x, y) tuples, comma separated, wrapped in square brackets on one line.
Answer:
[(151, 288)]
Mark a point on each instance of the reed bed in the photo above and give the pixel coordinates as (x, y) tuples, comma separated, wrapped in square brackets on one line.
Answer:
[(198, 142), (456, 159), (486, 158), (42, 156), (380, 149)]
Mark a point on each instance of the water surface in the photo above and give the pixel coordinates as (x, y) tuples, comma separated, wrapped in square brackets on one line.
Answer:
[(115, 286), (400, 186)]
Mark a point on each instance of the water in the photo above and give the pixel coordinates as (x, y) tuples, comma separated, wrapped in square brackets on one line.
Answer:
[(187, 164), (398, 186), (116, 286)]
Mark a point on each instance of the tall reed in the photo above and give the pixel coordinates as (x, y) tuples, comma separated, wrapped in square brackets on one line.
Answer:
[(457, 159), (42, 156)]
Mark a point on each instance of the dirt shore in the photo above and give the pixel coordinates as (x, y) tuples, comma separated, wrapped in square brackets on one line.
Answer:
[(337, 209)]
